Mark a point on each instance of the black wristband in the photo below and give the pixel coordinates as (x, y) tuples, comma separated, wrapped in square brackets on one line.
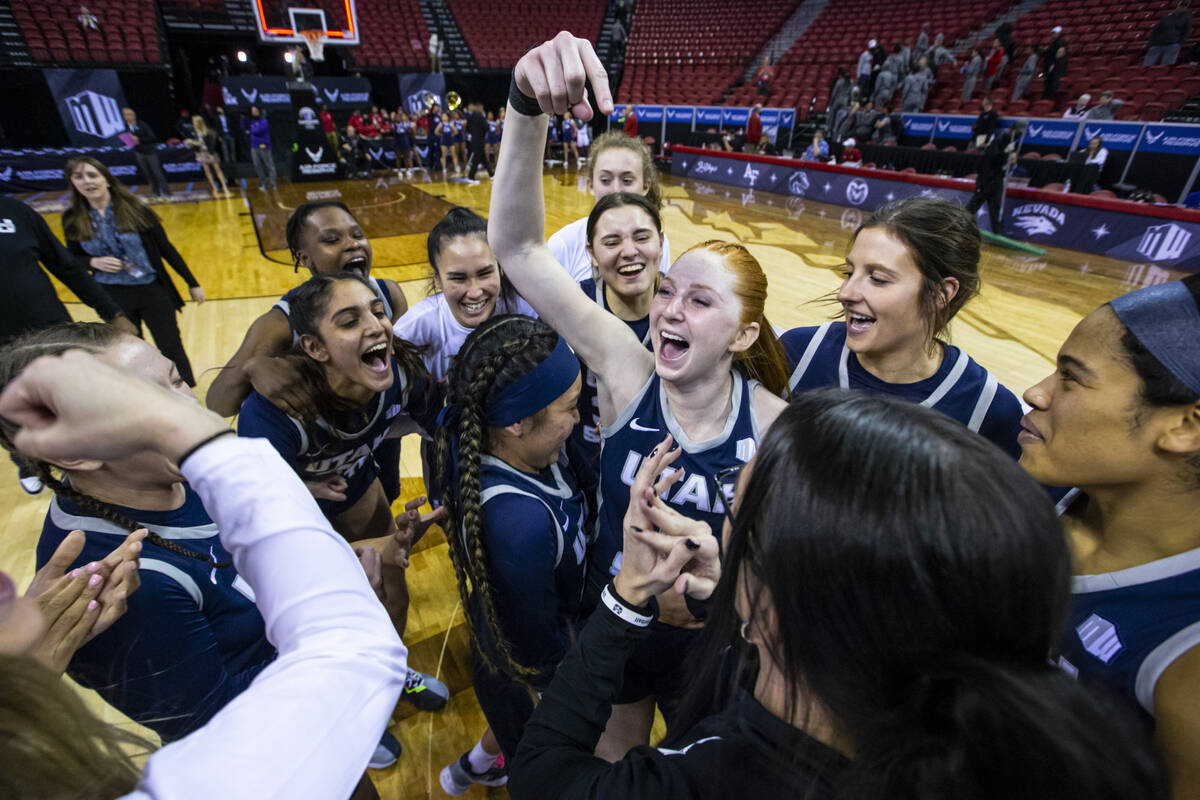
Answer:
[(522, 103), (206, 440), (638, 616)]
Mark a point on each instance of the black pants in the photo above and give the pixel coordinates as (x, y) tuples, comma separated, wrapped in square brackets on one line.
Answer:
[(478, 156), (152, 169), (151, 304), (1051, 85), (992, 193)]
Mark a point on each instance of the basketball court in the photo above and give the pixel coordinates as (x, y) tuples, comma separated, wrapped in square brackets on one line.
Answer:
[(236, 249)]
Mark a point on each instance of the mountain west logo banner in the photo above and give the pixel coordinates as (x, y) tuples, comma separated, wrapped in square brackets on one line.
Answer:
[(420, 89), (313, 159), (89, 102)]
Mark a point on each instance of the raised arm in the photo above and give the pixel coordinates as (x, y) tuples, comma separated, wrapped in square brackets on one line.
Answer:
[(555, 74)]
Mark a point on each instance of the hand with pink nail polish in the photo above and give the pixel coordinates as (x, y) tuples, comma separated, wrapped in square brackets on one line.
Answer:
[(79, 605)]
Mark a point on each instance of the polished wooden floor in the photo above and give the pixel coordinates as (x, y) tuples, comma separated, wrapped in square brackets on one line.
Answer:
[(236, 248)]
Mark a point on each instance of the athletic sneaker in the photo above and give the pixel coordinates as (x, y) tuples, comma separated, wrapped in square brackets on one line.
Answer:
[(387, 752), (425, 691), (456, 778), (32, 484)]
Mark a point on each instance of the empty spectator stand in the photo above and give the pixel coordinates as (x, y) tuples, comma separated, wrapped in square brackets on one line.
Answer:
[(841, 32), (394, 34), (129, 31), (1106, 43), (500, 31), (207, 15), (689, 51)]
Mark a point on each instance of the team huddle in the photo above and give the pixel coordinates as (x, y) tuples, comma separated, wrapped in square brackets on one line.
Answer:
[(830, 556)]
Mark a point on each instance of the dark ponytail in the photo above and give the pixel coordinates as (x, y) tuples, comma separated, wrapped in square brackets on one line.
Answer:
[(92, 337), (498, 352), (461, 221), (976, 728)]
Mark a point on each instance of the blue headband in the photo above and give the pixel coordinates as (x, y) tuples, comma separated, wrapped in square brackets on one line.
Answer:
[(1166, 321), (536, 389)]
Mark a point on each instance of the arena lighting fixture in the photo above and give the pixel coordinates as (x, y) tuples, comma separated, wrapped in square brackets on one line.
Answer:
[(288, 56), (241, 56)]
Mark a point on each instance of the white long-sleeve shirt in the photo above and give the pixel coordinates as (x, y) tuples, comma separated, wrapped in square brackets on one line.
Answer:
[(307, 725)]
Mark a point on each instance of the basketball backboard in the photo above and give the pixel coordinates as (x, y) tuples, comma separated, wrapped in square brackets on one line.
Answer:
[(280, 21)]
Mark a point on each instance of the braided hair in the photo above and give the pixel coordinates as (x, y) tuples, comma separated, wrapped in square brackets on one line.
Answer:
[(92, 337), (497, 353)]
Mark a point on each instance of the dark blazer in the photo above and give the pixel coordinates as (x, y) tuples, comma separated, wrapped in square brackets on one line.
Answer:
[(158, 247)]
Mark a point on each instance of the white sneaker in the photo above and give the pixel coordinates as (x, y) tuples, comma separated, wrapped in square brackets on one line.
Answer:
[(32, 484)]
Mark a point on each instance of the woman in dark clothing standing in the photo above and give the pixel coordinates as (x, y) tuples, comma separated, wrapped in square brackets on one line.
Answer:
[(901, 633), (123, 241)]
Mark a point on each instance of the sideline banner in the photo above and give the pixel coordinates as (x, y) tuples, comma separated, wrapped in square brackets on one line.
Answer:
[(416, 89), (268, 92), (271, 93), (89, 102), (34, 170), (313, 158), (1161, 241)]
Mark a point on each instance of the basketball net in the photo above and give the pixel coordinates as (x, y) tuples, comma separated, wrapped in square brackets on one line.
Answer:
[(315, 41)]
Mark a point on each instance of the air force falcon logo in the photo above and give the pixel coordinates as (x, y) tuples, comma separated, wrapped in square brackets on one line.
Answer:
[(315, 155)]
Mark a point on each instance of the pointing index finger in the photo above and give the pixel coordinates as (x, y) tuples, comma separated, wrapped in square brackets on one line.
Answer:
[(597, 76)]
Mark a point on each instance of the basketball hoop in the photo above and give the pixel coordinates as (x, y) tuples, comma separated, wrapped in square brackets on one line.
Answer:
[(315, 41)]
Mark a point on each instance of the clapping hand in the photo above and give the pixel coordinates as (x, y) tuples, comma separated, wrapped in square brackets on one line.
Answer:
[(80, 605), (664, 549)]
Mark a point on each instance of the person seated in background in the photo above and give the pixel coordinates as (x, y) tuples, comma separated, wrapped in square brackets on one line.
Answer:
[(851, 156), (87, 20), (1106, 108), (1095, 152), (864, 118), (818, 150), (368, 127), (357, 163), (1080, 109), (885, 129)]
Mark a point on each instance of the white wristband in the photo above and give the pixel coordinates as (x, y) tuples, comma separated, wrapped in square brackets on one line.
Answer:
[(623, 611)]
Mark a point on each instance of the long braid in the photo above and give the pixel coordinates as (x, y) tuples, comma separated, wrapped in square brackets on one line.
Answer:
[(466, 542), (91, 337), (110, 514)]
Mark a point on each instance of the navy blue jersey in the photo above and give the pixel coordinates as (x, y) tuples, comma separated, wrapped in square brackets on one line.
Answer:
[(191, 639), (584, 444), (960, 389), (537, 555), (346, 444), (1127, 627), (638, 429), (388, 457)]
